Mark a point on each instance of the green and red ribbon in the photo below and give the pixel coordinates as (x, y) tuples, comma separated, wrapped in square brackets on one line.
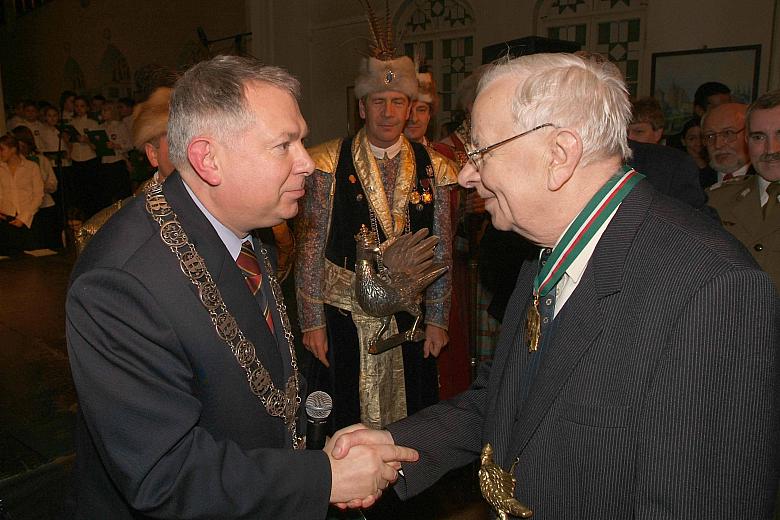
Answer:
[(584, 228)]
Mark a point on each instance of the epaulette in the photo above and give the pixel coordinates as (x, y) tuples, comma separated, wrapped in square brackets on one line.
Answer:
[(734, 181), (326, 155)]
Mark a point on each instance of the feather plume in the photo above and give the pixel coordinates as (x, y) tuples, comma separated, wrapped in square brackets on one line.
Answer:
[(382, 36)]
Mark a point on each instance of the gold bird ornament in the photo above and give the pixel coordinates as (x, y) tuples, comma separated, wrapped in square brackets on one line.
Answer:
[(390, 278), (498, 487)]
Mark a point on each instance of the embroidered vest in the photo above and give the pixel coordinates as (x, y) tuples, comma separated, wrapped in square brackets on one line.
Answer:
[(350, 205)]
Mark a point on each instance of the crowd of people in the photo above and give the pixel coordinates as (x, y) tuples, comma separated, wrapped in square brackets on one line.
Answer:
[(621, 379), (84, 155)]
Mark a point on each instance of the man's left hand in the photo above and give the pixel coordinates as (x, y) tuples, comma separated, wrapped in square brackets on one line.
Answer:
[(436, 338)]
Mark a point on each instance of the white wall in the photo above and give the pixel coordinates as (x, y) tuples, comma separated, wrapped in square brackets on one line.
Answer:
[(321, 41), (674, 25), (34, 47)]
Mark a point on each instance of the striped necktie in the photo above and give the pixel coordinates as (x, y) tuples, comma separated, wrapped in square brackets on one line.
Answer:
[(247, 262)]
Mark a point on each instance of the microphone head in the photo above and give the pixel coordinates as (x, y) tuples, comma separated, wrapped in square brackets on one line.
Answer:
[(319, 405)]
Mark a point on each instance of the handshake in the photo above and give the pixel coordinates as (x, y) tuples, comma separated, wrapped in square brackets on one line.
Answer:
[(363, 463)]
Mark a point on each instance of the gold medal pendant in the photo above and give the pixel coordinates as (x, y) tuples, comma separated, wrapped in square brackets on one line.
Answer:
[(533, 326), (498, 487)]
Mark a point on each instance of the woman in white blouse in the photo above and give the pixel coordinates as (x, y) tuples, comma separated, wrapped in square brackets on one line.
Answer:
[(21, 194)]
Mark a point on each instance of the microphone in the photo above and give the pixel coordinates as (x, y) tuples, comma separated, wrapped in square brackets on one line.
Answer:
[(318, 407)]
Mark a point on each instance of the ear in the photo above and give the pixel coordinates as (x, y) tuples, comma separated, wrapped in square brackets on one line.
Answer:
[(151, 154), (657, 135), (202, 157), (362, 108), (564, 158)]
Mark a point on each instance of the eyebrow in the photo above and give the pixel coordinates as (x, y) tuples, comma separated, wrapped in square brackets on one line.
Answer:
[(292, 136)]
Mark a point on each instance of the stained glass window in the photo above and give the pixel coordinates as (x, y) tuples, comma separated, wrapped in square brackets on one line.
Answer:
[(443, 31), (613, 28)]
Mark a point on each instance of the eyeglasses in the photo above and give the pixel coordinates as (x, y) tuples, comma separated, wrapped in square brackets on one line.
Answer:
[(729, 136), (476, 156)]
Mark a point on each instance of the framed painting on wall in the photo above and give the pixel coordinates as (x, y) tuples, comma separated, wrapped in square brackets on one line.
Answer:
[(676, 76)]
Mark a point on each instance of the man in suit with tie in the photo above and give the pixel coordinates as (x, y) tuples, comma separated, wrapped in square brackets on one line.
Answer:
[(748, 206), (178, 336), (627, 381)]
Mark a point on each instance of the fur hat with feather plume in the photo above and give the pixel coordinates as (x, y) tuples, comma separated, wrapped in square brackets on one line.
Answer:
[(382, 71)]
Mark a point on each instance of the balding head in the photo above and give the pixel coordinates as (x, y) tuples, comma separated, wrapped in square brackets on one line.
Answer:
[(723, 132)]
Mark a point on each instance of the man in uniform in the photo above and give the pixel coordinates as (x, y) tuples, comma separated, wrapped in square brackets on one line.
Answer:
[(748, 205), (379, 179)]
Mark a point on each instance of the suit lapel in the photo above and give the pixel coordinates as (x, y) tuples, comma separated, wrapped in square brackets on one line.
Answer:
[(225, 273), (579, 325), (508, 366), (581, 320)]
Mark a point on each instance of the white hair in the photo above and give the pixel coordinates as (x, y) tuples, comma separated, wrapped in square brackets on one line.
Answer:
[(587, 96)]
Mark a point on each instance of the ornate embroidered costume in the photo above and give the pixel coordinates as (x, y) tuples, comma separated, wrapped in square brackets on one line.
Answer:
[(393, 195)]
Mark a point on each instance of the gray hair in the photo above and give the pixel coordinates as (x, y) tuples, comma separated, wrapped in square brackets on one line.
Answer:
[(764, 102), (583, 94), (210, 98)]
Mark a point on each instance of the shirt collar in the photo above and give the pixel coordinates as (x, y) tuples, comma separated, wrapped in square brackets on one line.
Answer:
[(763, 184), (231, 241), (391, 151), (736, 173), (576, 269)]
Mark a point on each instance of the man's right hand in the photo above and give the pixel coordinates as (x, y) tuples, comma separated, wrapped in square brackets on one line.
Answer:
[(316, 342), (365, 467)]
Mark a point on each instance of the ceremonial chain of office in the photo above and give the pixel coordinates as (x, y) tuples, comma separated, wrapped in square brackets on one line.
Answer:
[(278, 403)]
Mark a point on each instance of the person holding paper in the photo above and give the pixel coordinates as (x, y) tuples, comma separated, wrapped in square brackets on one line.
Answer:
[(85, 163), (114, 175)]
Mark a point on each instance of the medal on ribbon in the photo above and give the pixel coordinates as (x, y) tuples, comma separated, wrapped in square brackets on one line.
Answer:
[(577, 237)]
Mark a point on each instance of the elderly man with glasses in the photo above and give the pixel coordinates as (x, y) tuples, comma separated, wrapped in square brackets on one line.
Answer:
[(748, 206), (626, 382), (723, 133)]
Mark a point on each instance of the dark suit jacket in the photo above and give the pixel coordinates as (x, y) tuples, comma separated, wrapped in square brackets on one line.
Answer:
[(168, 426), (656, 398)]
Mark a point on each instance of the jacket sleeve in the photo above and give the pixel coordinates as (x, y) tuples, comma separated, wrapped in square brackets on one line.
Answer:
[(134, 384), (47, 173), (438, 295), (311, 234), (708, 445), (447, 435)]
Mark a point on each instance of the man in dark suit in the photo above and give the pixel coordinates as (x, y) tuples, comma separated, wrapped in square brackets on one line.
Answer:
[(179, 341), (626, 382), (670, 171)]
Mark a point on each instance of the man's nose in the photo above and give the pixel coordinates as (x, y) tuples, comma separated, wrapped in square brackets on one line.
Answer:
[(387, 110), (773, 144), (720, 141), (468, 177), (306, 162)]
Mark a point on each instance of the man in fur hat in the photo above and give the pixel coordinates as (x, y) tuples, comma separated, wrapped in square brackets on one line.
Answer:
[(422, 110), (379, 179)]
